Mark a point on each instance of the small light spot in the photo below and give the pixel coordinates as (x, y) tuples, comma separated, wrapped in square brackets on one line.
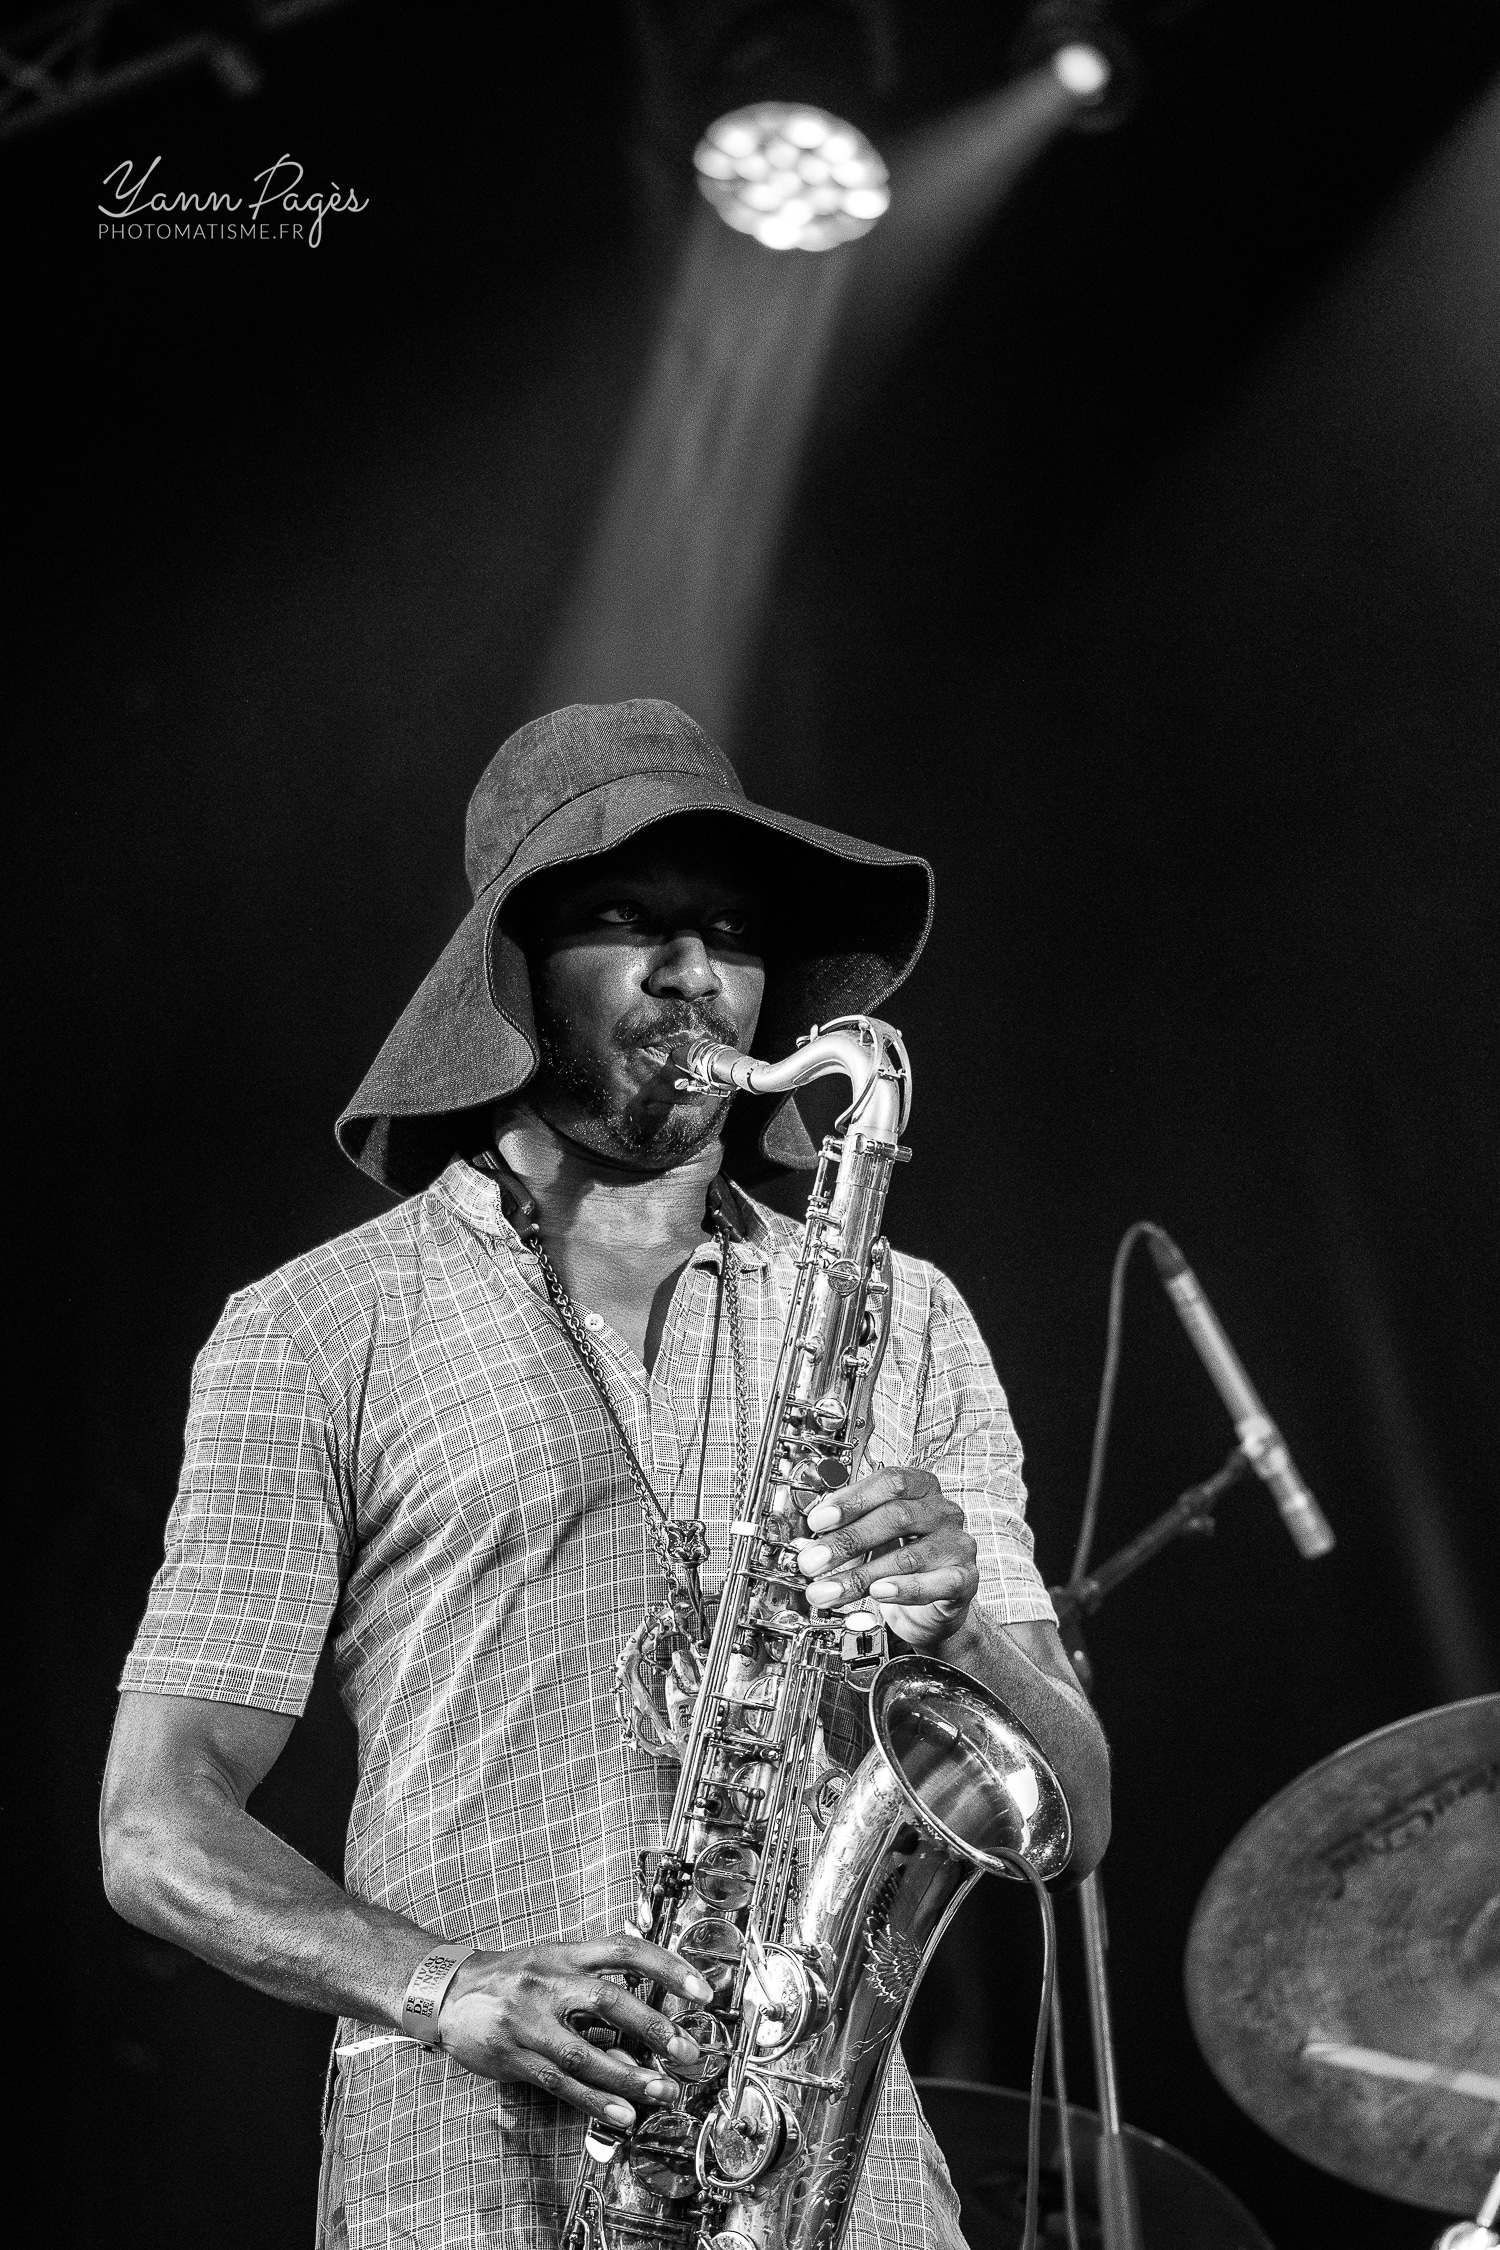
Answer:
[(1082, 70)]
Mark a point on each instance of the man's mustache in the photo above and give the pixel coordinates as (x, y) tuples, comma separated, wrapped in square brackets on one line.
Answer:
[(659, 1026)]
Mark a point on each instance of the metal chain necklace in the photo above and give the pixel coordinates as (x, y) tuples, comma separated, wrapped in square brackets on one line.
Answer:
[(681, 1545)]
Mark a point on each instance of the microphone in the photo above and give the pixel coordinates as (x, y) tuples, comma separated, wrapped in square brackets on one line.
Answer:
[(1260, 1440)]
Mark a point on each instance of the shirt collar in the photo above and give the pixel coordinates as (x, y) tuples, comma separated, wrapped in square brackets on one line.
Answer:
[(475, 1198), (495, 1203)]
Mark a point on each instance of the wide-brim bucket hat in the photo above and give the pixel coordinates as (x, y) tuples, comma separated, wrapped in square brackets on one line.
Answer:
[(849, 920)]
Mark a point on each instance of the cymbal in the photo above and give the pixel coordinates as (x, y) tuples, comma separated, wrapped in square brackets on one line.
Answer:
[(981, 2130), (1343, 1966)]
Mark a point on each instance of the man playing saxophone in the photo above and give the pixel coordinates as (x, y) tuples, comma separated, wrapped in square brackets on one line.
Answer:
[(474, 1441)]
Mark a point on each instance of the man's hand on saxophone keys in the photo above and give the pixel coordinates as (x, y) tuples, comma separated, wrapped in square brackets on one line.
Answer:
[(524, 2013), (894, 1538)]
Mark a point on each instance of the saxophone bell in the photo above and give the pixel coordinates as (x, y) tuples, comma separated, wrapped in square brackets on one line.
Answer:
[(971, 1771)]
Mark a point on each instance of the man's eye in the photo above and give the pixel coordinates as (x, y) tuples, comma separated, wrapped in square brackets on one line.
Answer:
[(730, 925), (619, 912)]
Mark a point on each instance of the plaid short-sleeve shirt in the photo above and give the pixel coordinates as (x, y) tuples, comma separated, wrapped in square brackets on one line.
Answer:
[(391, 1440)]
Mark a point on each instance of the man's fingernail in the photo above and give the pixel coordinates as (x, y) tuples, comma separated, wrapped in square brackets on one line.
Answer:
[(699, 1990), (659, 2089), (813, 1559), (685, 2049), (883, 1590), (825, 1591), (619, 2113), (824, 1516)]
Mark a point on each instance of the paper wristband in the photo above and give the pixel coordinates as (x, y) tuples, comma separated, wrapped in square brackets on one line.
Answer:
[(430, 1980)]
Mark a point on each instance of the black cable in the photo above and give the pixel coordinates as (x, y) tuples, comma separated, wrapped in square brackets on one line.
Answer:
[(1088, 1525), (1039, 2046), (1108, 1381), (1064, 2124)]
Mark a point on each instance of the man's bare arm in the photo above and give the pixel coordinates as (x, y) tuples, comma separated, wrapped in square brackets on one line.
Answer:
[(185, 1860), (1028, 1668)]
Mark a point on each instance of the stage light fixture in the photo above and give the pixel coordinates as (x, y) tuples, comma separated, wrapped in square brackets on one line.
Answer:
[(1085, 46), (794, 177)]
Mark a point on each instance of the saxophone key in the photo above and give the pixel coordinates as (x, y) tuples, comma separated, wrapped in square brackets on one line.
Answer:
[(663, 2154), (741, 2145), (724, 1875), (712, 2041), (789, 2000), (805, 2080), (820, 1472), (600, 2145), (753, 1747), (724, 1804), (713, 1947)]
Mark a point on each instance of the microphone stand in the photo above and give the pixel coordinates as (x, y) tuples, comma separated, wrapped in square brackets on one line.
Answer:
[(1191, 1515)]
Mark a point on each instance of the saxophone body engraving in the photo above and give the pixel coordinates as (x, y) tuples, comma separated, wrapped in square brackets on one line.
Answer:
[(812, 1943)]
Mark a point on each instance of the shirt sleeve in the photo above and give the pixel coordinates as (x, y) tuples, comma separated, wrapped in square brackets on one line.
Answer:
[(241, 1606), (965, 1435)]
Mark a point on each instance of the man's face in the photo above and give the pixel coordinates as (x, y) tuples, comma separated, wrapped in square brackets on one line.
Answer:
[(660, 938)]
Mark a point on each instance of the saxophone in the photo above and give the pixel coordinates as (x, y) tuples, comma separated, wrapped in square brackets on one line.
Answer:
[(811, 1969)]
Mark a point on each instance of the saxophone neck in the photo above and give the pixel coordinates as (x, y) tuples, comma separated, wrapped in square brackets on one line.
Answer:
[(869, 1053)]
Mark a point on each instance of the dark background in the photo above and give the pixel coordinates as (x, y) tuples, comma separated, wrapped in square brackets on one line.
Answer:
[(1151, 591)]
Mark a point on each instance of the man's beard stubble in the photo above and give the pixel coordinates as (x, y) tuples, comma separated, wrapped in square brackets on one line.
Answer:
[(661, 1136)]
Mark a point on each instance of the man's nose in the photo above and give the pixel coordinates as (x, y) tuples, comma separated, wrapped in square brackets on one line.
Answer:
[(684, 969)]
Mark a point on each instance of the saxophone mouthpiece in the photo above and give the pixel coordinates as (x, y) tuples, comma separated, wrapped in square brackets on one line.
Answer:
[(676, 1057)]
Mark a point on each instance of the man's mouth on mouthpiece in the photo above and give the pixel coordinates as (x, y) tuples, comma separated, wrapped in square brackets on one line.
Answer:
[(659, 1054)]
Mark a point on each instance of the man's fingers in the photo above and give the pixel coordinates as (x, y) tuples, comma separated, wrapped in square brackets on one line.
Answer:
[(908, 1494), (933, 1516), (611, 2003), (635, 1957), (498, 2039), (927, 1572), (893, 1537), (610, 2109), (951, 1591), (552, 2051)]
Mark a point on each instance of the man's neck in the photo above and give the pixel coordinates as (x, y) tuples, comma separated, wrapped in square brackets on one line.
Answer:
[(583, 1199)]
